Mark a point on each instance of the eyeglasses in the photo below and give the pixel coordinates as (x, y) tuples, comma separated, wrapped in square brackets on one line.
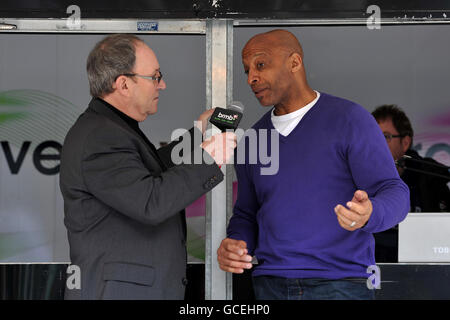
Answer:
[(158, 78), (390, 136)]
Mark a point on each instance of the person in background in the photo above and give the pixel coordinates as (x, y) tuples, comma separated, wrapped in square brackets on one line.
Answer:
[(428, 192)]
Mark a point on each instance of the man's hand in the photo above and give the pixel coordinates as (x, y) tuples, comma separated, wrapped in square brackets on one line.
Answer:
[(221, 147), (232, 256), (358, 212), (202, 121)]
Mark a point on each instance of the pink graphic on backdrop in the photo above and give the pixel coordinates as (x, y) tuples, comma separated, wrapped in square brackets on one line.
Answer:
[(440, 120), (435, 140), (197, 208), (428, 140)]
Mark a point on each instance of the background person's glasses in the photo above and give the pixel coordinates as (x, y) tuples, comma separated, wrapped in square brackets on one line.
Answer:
[(390, 136), (158, 78)]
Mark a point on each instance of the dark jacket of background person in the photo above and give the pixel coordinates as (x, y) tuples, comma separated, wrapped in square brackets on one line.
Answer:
[(427, 194)]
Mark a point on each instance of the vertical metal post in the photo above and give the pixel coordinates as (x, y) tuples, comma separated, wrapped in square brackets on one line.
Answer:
[(230, 168), (218, 201)]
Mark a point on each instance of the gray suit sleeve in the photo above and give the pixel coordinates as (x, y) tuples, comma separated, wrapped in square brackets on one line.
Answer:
[(114, 173), (165, 152)]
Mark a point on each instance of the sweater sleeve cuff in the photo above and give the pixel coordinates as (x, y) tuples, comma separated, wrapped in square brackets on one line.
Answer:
[(249, 242), (375, 218)]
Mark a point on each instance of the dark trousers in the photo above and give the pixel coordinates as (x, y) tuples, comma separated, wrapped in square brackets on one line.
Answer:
[(275, 288)]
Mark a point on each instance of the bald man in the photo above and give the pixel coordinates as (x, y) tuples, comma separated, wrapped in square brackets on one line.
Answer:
[(310, 225)]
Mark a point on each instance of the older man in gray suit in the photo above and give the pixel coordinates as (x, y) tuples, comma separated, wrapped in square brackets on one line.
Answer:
[(124, 200)]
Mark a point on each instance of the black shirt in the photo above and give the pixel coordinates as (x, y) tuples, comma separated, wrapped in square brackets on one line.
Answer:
[(134, 124)]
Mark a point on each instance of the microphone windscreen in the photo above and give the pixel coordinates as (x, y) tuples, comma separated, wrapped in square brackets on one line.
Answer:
[(237, 106)]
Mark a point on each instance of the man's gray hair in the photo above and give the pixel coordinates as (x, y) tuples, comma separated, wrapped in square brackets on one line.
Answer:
[(113, 56)]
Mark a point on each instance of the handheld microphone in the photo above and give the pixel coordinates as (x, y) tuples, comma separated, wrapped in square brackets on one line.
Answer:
[(228, 118)]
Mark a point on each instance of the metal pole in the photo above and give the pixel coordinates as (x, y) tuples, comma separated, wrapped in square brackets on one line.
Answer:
[(230, 168), (218, 92)]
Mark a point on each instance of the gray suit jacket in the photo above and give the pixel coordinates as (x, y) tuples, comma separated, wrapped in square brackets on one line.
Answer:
[(124, 209)]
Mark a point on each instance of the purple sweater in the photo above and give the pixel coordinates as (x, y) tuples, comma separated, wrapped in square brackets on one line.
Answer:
[(288, 219)]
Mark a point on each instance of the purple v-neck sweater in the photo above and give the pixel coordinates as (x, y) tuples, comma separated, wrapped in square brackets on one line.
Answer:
[(288, 219)]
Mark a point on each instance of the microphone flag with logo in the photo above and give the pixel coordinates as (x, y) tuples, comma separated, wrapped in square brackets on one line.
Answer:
[(228, 118)]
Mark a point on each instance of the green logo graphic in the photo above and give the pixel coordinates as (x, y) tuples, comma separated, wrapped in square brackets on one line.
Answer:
[(29, 120), (33, 115)]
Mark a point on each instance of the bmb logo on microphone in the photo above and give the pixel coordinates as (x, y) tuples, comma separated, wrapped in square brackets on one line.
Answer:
[(228, 118)]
